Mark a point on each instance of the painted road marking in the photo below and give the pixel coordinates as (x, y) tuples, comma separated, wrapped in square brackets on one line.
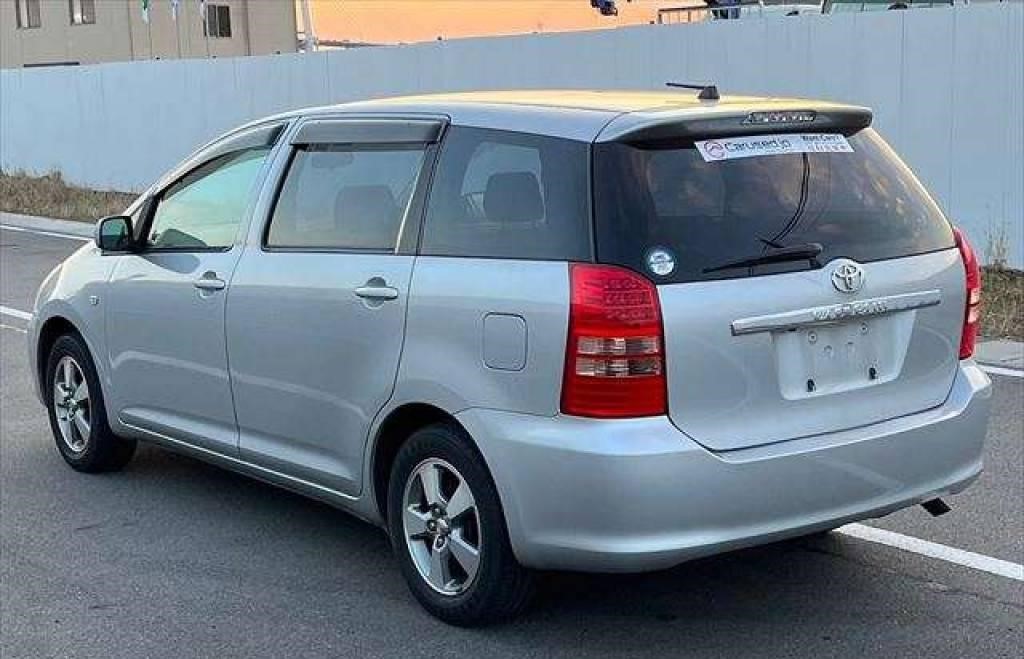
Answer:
[(999, 370), (15, 313), (52, 234), (12, 327), (969, 559)]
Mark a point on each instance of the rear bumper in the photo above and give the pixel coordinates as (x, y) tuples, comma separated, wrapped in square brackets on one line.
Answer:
[(635, 495)]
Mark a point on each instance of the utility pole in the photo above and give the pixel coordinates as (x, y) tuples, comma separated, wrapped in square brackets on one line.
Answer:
[(177, 28), (131, 37), (203, 15), (307, 20)]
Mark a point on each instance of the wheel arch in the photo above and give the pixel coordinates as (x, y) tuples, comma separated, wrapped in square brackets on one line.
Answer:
[(399, 424), (52, 328)]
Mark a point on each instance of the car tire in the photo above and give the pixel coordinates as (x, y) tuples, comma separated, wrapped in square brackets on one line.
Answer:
[(75, 406), (424, 536)]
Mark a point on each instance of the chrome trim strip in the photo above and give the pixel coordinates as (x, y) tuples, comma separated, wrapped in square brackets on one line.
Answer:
[(836, 313), (237, 464)]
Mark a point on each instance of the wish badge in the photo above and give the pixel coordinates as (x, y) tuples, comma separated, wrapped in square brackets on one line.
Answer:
[(660, 261)]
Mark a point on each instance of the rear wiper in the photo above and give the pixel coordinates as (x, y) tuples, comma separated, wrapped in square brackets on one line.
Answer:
[(807, 252)]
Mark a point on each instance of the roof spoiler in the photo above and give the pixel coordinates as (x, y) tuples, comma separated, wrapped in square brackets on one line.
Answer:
[(648, 128)]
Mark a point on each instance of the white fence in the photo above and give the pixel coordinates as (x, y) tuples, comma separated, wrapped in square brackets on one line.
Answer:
[(945, 84)]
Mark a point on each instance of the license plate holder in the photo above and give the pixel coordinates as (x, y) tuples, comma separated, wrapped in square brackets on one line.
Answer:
[(824, 359)]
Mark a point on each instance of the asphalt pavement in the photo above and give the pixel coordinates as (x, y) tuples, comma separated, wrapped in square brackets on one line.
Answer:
[(175, 558)]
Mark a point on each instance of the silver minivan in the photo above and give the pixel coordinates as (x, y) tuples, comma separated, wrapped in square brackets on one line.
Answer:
[(547, 330)]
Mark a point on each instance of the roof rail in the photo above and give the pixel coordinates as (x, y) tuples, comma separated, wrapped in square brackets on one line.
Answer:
[(707, 92)]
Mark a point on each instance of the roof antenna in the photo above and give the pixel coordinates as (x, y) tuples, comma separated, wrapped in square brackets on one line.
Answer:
[(707, 92)]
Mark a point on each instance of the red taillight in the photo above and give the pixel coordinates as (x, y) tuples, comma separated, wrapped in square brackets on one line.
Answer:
[(972, 314), (615, 360)]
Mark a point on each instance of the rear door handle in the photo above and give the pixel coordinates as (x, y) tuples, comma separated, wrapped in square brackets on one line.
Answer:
[(377, 292), (377, 289), (209, 282)]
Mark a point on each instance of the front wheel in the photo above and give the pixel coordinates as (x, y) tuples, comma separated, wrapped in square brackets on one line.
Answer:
[(448, 531), (78, 417)]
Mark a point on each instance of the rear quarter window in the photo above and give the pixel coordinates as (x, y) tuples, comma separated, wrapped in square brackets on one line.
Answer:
[(865, 205), (499, 194)]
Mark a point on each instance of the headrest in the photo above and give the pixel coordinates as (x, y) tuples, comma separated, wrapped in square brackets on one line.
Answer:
[(365, 204), (366, 216), (513, 197)]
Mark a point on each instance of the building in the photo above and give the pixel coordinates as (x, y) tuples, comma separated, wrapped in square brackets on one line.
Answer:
[(68, 32)]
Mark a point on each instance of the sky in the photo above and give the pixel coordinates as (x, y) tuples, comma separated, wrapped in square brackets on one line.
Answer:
[(392, 21)]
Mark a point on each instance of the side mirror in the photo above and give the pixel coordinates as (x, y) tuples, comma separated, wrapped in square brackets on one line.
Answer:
[(114, 233)]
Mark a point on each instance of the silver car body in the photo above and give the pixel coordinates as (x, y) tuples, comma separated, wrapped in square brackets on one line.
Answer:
[(286, 375)]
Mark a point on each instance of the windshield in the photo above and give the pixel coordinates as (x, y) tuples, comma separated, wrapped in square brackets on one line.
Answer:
[(658, 203)]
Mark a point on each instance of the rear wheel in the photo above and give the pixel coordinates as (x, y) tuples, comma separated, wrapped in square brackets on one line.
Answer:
[(448, 531), (77, 414)]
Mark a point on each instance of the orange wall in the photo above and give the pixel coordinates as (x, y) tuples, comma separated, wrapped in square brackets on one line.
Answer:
[(389, 21)]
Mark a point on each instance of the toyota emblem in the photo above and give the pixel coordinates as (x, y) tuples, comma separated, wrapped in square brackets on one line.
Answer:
[(848, 277)]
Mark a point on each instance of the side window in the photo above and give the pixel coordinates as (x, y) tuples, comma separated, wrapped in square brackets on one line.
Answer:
[(509, 195), (344, 197), (490, 158), (205, 208)]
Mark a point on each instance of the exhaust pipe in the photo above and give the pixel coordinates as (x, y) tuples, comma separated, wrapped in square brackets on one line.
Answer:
[(936, 507)]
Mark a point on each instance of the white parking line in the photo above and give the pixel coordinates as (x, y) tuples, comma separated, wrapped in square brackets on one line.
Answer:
[(935, 550), (12, 327), (999, 370), (15, 313), (52, 234)]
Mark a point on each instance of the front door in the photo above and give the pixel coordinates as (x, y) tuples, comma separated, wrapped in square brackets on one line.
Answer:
[(166, 301), (316, 312)]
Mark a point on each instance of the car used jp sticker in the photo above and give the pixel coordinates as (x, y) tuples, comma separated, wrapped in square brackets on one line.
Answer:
[(729, 148)]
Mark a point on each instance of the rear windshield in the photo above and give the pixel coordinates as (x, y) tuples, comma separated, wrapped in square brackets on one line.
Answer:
[(662, 203)]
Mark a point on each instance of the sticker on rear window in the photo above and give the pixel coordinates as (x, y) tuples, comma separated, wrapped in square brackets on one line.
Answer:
[(729, 148), (660, 261)]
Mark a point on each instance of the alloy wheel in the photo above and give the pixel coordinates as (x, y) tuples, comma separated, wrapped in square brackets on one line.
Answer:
[(442, 526), (72, 404)]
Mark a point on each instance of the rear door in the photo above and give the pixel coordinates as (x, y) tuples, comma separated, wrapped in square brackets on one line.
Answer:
[(316, 315), (859, 323)]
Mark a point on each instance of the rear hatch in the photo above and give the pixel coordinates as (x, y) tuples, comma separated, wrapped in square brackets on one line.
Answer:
[(808, 283)]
